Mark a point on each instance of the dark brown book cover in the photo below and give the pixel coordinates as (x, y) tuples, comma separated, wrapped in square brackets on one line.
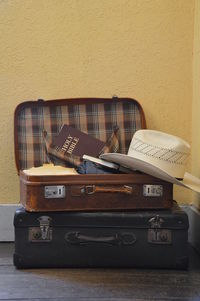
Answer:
[(74, 142)]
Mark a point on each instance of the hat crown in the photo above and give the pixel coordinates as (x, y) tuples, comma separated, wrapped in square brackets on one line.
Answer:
[(167, 152), (163, 140)]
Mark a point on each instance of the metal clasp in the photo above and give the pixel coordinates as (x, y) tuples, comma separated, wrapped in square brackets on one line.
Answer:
[(90, 189), (152, 190), (156, 235), (41, 233), (44, 226), (54, 192), (156, 221)]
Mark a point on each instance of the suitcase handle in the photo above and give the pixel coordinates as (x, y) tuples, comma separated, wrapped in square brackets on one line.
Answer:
[(77, 238), (91, 189)]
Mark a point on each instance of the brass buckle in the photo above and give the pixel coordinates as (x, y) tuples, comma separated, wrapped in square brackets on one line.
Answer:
[(90, 189)]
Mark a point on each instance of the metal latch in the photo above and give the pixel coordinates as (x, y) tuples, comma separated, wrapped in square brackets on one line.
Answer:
[(44, 226), (43, 232), (156, 221), (156, 235), (160, 236), (152, 190), (54, 192)]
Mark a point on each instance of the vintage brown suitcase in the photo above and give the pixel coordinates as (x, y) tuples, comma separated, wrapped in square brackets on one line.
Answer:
[(96, 117)]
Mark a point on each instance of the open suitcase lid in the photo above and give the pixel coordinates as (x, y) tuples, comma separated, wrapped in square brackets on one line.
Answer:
[(173, 218), (94, 116)]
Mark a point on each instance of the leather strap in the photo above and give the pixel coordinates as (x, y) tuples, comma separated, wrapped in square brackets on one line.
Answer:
[(91, 189)]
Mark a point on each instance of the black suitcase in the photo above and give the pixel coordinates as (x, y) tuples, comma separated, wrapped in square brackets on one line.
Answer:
[(149, 239)]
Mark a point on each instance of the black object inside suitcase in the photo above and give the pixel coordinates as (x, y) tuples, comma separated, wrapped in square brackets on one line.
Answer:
[(149, 239)]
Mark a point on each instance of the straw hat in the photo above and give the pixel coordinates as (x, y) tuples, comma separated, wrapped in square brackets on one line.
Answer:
[(158, 154)]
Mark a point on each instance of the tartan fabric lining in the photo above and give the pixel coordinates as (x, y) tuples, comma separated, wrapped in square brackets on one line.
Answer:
[(98, 120)]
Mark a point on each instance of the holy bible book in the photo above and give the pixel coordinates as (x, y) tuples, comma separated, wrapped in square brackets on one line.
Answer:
[(71, 141)]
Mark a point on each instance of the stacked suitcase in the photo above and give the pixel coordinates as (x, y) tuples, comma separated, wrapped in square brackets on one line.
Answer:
[(112, 220)]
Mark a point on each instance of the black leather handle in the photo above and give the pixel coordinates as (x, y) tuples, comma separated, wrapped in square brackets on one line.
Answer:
[(77, 238)]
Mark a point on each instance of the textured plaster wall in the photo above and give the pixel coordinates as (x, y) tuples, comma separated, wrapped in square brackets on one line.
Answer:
[(196, 100), (71, 48)]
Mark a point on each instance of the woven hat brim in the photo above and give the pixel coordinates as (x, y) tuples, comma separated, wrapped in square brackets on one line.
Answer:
[(189, 180)]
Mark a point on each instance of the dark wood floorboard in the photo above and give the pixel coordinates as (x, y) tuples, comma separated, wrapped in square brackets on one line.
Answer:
[(97, 284)]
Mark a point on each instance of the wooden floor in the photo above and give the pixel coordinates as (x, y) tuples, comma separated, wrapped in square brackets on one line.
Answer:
[(97, 284)]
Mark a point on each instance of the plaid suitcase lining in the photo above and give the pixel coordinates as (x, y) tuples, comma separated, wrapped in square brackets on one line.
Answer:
[(98, 120)]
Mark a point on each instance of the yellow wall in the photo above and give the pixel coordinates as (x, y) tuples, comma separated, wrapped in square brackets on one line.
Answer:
[(74, 48), (196, 101)]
